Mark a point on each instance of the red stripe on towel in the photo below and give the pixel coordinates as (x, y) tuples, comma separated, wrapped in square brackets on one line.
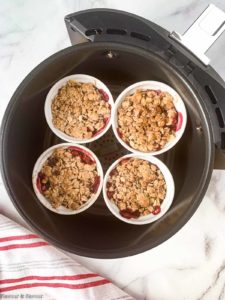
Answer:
[(18, 237), (34, 277), (55, 285), (31, 245)]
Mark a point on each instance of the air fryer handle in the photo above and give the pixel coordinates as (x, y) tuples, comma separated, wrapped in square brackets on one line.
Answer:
[(199, 37), (203, 33)]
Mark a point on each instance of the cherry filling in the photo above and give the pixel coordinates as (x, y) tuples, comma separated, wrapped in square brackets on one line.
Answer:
[(173, 126), (122, 161), (179, 121), (84, 155), (113, 172), (104, 95), (38, 182), (106, 121), (108, 185), (158, 92), (129, 214), (119, 133), (42, 187), (95, 185), (86, 159), (157, 210), (110, 194)]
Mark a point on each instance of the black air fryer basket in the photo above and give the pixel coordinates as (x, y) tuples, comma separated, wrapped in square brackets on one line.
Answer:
[(120, 49)]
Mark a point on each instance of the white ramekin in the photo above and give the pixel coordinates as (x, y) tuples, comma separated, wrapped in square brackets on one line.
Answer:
[(166, 202), (53, 92), (152, 85), (37, 168)]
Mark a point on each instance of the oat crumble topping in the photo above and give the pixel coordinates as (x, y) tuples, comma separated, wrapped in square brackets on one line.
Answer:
[(147, 120), (137, 187), (80, 110), (68, 177)]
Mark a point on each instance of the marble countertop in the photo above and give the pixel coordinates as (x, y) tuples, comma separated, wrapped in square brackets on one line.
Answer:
[(190, 265)]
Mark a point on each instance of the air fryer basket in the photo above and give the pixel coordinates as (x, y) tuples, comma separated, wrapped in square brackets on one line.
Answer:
[(25, 135)]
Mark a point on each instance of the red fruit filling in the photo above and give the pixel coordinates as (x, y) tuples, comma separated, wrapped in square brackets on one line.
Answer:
[(122, 161), (110, 194), (129, 214), (119, 133), (84, 155), (179, 121), (95, 185), (157, 210), (106, 121), (113, 172), (104, 94)]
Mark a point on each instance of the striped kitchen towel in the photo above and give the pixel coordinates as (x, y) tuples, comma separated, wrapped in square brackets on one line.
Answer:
[(30, 268)]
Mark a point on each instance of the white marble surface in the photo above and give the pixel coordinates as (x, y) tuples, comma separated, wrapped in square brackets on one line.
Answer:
[(191, 265)]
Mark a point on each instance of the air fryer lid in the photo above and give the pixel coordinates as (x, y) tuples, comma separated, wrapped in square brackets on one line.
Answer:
[(25, 135)]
